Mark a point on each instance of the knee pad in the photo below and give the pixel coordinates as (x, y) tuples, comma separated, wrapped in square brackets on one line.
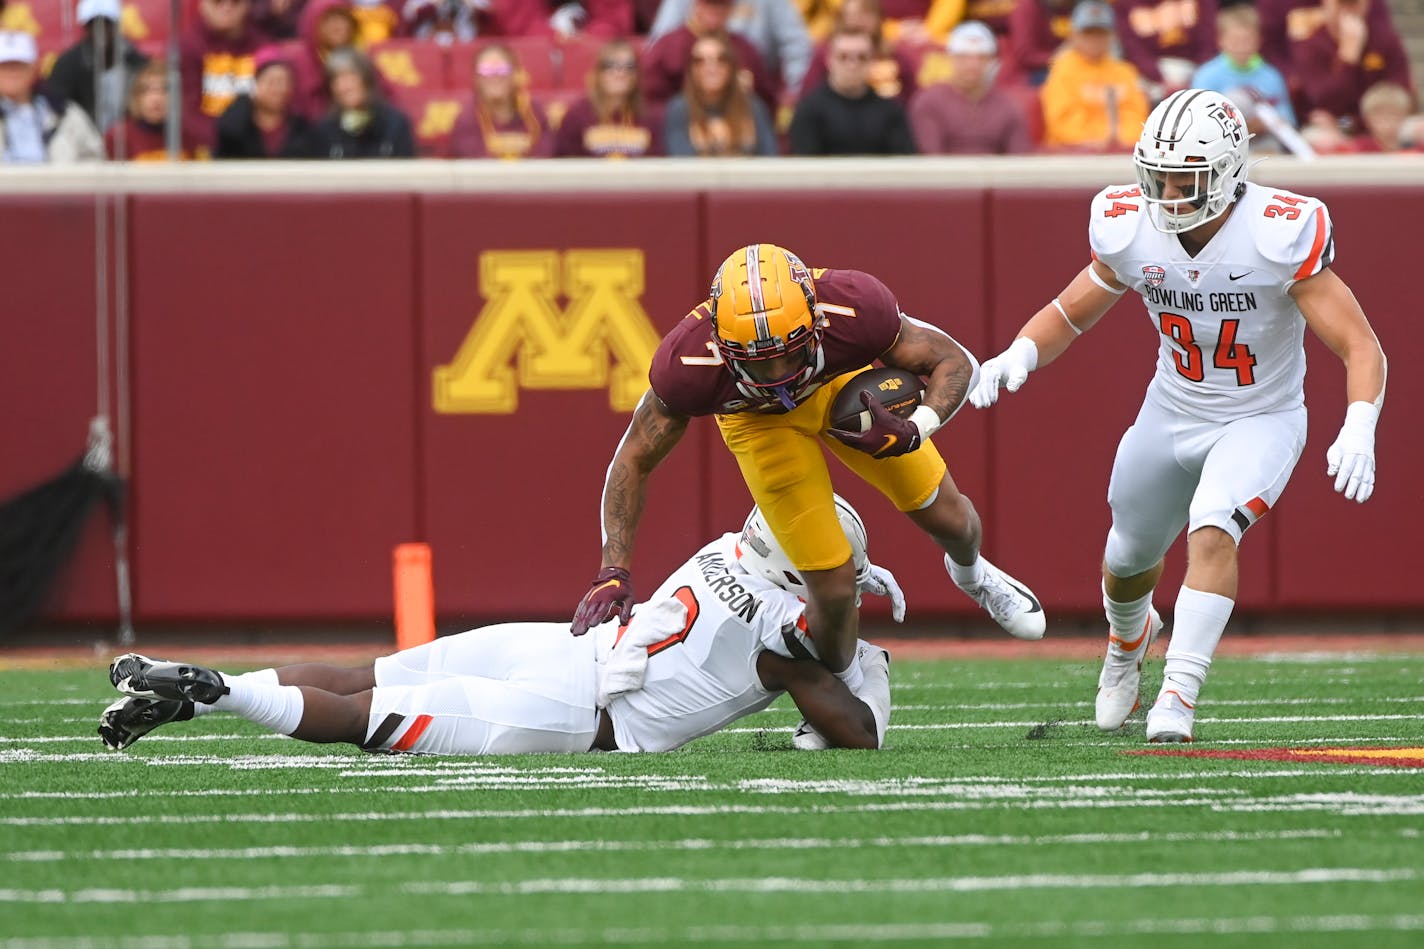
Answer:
[(1125, 556)]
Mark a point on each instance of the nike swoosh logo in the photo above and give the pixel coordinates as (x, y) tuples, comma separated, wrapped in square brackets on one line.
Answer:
[(1037, 607), (1237, 276), (890, 441), (607, 583)]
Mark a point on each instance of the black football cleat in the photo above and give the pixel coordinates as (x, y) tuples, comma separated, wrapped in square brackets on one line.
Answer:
[(155, 679), (129, 719)]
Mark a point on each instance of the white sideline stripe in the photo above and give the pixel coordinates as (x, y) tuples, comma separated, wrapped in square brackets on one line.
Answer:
[(1013, 706), (694, 844), (1072, 798), (599, 885), (679, 781), (602, 885), (775, 934)]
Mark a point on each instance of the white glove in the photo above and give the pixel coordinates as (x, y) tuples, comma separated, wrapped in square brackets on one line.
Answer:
[(627, 664), (566, 20), (1008, 369), (1351, 459), (881, 582)]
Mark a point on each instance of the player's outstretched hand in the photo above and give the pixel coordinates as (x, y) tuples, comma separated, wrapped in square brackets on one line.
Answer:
[(1351, 459), (881, 582), (1008, 369), (610, 595), (888, 435)]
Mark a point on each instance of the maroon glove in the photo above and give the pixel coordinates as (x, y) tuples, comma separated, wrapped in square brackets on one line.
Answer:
[(888, 434), (611, 595)]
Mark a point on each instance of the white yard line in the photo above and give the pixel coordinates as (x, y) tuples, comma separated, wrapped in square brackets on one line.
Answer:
[(811, 933), (1312, 876), (692, 844)]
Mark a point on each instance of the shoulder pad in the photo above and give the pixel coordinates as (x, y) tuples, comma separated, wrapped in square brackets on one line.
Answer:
[(1117, 212), (1291, 230)]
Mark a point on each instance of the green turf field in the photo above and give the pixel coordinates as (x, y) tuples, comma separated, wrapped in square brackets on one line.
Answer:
[(981, 824)]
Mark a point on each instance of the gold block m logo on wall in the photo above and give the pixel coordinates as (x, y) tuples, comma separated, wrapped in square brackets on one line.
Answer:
[(522, 339)]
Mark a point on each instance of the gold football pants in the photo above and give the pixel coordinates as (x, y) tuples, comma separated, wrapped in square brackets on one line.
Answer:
[(781, 460)]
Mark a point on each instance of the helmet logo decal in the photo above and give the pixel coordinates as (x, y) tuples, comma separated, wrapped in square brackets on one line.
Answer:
[(1229, 119), (1154, 275)]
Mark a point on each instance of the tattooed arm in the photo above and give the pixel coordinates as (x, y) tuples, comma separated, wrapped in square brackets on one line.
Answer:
[(652, 433), (929, 351)]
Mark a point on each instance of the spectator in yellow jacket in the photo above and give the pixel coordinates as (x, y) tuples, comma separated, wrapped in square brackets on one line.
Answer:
[(1092, 100)]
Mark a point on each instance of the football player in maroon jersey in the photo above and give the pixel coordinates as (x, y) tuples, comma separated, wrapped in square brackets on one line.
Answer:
[(766, 355)]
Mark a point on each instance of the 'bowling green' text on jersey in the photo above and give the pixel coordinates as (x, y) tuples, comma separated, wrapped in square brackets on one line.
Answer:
[(1231, 335)]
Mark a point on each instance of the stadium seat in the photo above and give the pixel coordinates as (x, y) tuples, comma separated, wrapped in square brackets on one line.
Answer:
[(535, 55), (145, 23), (432, 114), (410, 64)]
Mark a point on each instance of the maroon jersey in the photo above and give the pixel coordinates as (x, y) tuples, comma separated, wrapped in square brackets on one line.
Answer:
[(859, 318)]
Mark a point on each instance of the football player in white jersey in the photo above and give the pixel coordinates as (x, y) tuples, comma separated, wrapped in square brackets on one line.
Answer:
[(1231, 273), (720, 639)]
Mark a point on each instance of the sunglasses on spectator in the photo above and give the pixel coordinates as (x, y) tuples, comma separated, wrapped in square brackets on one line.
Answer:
[(494, 70), (617, 65)]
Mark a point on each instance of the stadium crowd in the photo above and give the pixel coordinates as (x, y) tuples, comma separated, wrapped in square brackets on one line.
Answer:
[(337, 79)]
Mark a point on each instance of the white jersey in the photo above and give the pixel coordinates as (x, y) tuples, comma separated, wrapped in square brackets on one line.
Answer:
[(704, 676), (1231, 335)]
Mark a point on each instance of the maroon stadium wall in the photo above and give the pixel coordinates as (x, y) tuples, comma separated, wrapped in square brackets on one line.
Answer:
[(316, 379)]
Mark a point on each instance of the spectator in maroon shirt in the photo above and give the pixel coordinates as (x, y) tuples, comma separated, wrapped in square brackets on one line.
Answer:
[(1336, 52), (892, 71), (277, 18), (464, 20), (141, 135), (327, 25), (263, 124), (611, 121), (1166, 39), (1037, 28), (665, 62), (217, 62), (968, 115), (504, 123)]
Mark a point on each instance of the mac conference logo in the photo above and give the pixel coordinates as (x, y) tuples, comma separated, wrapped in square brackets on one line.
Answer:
[(524, 339)]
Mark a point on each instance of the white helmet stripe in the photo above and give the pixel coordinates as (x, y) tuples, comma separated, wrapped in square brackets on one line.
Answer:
[(754, 288)]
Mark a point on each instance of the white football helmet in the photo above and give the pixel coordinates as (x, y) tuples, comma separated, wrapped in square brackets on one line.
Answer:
[(1196, 132), (758, 551)]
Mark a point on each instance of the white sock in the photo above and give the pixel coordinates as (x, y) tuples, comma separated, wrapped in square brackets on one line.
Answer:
[(278, 707), (1197, 624), (260, 677), (875, 693), (852, 675), (1127, 622), (963, 576)]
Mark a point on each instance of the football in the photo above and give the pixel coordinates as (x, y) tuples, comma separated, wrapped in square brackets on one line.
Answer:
[(898, 390)]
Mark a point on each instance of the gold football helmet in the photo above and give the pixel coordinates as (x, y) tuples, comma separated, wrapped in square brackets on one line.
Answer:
[(765, 322)]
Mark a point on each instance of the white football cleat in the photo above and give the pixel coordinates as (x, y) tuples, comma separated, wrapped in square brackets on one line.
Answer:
[(806, 738), (1119, 682), (1170, 719), (1012, 605)]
